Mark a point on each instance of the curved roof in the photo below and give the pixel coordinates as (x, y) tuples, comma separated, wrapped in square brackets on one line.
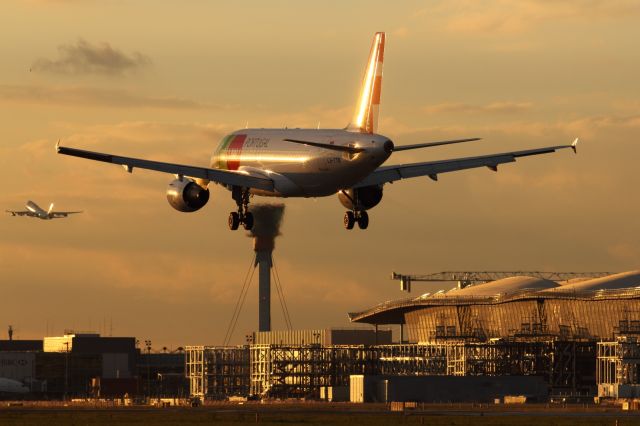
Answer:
[(574, 280), (612, 282), (505, 290), (504, 286)]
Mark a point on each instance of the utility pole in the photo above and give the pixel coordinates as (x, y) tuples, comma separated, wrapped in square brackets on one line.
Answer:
[(66, 371), (147, 344)]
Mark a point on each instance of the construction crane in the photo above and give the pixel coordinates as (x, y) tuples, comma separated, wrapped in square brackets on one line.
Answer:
[(465, 278)]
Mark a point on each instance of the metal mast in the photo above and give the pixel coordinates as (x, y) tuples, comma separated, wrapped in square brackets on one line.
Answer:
[(264, 247), (265, 230)]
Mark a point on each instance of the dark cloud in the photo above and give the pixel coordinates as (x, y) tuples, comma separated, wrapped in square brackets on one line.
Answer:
[(85, 58), (90, 96)]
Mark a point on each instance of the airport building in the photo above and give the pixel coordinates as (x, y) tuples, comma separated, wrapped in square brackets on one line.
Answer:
[(519, 335), (517, 307), (523, 335), (85, 365)]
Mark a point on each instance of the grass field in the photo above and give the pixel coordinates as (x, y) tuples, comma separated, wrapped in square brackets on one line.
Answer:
[(288, 416)]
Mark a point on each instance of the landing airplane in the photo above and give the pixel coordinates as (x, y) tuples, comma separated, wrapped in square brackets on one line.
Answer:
[(309, 162), (34, 210)]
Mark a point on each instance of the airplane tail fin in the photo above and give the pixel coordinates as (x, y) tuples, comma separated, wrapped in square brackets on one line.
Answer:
[(365, 117), (50, 209)]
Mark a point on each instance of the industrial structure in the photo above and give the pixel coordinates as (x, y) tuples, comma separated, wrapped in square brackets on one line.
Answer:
[(83, 365), (527, 307), (267, 219), (309, 371), (563, 340), (572, 339)]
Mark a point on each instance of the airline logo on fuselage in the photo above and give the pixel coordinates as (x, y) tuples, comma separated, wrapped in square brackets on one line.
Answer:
[(229, 153), (234, 151)]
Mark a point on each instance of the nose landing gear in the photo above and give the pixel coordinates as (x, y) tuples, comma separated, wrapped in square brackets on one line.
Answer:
[(243, 215), (359, 216)]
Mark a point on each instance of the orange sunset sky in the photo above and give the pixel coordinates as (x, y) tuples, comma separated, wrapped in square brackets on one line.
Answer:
[(166, 80)]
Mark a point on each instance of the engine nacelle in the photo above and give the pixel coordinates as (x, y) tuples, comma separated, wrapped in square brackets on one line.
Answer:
[(187, 196), (361, 198)]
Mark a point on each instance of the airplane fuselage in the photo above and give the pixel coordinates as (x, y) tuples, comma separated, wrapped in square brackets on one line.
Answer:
[(300, 170), (308, 162), (37, 210), (34, 210)]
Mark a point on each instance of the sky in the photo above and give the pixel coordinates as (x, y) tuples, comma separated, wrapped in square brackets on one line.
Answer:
[(167, 80)]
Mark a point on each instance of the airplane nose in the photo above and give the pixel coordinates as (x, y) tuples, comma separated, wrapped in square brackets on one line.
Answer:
[(388, 146)]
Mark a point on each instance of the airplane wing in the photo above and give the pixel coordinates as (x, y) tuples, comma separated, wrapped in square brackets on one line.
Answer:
[(20, 213), (432, 169), (225, 177), (56, 215)]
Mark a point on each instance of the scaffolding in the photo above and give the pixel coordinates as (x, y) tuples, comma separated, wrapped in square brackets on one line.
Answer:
[(618, 368), (302, 371), (217, 372), (410, 360)]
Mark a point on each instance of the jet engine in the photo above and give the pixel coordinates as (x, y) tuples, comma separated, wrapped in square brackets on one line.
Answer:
[(187, 196), (363, 198)]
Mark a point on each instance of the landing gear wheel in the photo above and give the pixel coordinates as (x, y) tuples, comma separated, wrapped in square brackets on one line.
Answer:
[(349, 220), (234, 221), (363, 220), (247, 221), (242, 216)]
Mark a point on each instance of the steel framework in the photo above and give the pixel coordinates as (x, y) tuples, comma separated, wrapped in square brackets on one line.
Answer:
[(217, 372), (618, 367), (301, 371)]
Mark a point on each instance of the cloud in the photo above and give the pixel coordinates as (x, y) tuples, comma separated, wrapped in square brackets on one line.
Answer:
[(400, 32), (135, 137), (316, 115), (185, 143), (623, 251), (91, 96), (500, 107), (123, 270), (612, 125), (85, 58), (507, 17), (597, 124)]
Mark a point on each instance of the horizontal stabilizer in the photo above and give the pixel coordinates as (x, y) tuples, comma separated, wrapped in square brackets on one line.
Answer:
[(431, 144)]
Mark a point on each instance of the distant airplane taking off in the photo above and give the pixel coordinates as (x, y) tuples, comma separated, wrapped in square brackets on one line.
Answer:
[(309, 162), (34, 210)]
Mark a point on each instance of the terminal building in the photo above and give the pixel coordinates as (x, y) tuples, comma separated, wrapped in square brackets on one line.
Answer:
[(519, 335), (526, 307)]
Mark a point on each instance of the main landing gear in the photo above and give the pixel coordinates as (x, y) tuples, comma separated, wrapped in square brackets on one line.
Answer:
[(243, 215), (360, 216)]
